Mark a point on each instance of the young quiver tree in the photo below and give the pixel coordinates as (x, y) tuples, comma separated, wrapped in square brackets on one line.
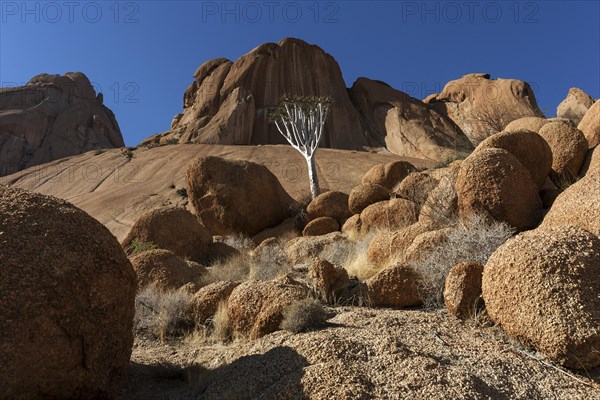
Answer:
[(300, 119)]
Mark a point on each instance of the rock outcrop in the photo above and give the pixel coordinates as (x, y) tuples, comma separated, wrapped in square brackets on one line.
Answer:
[(481, 106), (67, 301), (575, 105), (53, 117), (229, 103), (406, 126)]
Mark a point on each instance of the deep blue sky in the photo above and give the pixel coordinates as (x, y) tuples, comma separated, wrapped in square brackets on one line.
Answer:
[(143, 56)]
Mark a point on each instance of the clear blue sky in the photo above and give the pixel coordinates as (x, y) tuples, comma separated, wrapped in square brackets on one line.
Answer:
[(142, 54)]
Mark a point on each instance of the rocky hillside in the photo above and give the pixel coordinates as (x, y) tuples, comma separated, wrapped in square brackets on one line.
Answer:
[(229, 101), (117, 186), (53, 117)]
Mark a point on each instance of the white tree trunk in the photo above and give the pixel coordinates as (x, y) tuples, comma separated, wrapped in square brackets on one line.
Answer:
[(312, 176)]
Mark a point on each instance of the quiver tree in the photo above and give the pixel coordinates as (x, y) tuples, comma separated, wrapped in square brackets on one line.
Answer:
[(300, 119)]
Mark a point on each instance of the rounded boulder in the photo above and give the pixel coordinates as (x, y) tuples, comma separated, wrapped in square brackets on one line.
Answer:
[(542, 288), (67, 302), (493, 182), (170, 228)]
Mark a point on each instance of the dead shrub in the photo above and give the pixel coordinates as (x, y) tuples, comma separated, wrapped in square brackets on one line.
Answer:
[(473, 240), (163, 313), (303, 315)]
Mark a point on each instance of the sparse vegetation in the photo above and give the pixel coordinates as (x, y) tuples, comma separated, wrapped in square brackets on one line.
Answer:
[(139, 246), (356, 262), (182, 192), (246, 265), (468, 241), (304, 315), (172, 141), (163, 313)]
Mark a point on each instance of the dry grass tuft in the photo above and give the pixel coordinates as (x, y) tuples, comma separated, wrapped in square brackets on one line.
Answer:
[(356, 262), (470, 241), (303, 315), (246, 265), (163, 313)]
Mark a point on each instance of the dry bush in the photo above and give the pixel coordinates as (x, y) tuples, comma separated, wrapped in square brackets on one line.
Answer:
[(240, 242), (356, 261), (245, 266), (469, 241), (303, 315), (235, 269), (216, 330), (163, 313), (271, 264)]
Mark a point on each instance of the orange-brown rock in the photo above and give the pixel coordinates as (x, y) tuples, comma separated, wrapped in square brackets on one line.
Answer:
[(67, 302), (574, 106), (205, 302), (389, 215), (425, 243), (389, 175), (532, 151), (236, 196), (441, 207), (533, 124), (332, 204), (261, 78), (164, 269), (321, 226), (590, 125), (542, 288), (53, 117), (481, 106), (171, 228), (255, 308), (406, 126), (387, 246), (307, 249), (117, 192), (397, 286), (569, 148), (493, 182), (366, 194), (462, 290), (591, 162), (578, 205), (416, 187), (328, 280), (352, 225)]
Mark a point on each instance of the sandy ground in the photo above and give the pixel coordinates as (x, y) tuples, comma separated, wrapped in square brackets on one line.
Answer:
[(361, 354)]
